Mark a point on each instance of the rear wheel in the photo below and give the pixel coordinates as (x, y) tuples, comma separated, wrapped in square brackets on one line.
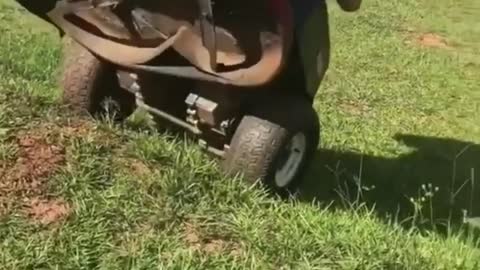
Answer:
[(275, 144), (90, 85)]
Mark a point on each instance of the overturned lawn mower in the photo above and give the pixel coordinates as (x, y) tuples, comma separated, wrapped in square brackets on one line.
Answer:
[(234, 73)]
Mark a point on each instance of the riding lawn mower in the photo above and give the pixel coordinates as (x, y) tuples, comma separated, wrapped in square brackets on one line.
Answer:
[(232, 73)]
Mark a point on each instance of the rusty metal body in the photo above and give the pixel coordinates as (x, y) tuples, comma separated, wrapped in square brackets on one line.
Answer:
[(242, 44)]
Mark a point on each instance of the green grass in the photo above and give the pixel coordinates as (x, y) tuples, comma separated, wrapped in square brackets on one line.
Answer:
[(142, 200), (400, 112)]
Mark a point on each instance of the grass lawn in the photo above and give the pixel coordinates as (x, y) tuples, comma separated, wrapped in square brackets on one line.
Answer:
[(399, 148)]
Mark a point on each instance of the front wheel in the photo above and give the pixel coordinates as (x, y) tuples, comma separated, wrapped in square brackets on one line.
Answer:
[(275, 144)]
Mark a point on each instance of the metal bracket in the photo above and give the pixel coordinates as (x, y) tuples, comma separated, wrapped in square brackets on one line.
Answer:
[(207, 26), (201, 110)]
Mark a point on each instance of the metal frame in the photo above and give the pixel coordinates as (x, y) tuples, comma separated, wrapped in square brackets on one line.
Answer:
[(190, 126)]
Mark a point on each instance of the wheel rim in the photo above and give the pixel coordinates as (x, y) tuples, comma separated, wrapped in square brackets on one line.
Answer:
[(290, 160)]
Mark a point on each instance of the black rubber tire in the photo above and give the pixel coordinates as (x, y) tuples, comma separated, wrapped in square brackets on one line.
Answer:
[(258, 141), (88, 83)]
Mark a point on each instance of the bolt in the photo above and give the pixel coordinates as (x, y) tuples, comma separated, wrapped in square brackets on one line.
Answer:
[(191, 111), (133, 76), (225, 124)]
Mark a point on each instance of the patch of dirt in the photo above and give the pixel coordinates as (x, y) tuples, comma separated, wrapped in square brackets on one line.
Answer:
[(192, 238), (196, 241), (47, 211), (40, 153), (138, 167), (215, 246), (431, 40), (357, 108), (79, 128), (132, 165), (25, 177)]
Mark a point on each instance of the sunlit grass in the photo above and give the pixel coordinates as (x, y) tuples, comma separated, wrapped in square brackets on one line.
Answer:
[(140, 199)]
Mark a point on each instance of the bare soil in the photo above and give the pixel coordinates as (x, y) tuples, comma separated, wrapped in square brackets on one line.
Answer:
[(47, 211), (24, 179), (431, 40), (36, 160), (210, 245)]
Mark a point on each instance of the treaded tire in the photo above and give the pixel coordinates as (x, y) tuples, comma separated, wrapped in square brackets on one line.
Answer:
[(88, 83), (257, 144)]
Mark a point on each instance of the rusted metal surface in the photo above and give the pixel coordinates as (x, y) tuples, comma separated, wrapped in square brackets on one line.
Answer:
[(246, 45), (207, 26)]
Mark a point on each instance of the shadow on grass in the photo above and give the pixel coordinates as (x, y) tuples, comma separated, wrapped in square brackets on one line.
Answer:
[(441, 172), (450, 166)]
